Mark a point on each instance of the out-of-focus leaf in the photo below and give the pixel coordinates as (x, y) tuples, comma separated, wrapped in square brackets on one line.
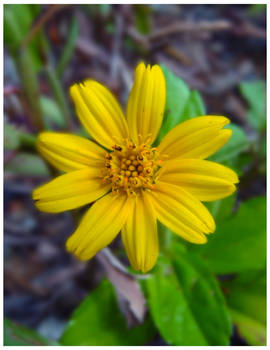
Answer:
[(142, 18), (252, 331), (15, 138), (51, 113), (18, 19), (186, 303), (27, 164), (239, 243), (237, 144), (104, 9), (255, 94), (181, 103), (195, 106), (246, 297), (18, 335), (222, 208), (257, 9), (98, 321), (11, 137)]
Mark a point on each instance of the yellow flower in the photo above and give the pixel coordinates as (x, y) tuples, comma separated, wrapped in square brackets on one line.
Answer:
[(132, 183)]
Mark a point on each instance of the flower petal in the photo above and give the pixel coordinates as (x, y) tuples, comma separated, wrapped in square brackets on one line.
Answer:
[(70, 191), (99, 112), (139, 234), (195, 138), (182, 213), (146, 103), (69, 152), (99, 226), (206, 180)]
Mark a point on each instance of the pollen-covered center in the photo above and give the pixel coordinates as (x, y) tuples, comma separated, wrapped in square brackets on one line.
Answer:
[(130, 168)]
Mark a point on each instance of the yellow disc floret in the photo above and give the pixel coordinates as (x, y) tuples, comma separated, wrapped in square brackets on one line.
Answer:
[(131, 168)]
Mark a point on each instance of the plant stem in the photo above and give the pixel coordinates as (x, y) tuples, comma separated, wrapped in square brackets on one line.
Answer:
[(69, 47), (30, 87)]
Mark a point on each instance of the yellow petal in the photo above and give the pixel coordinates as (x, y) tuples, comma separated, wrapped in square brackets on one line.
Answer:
[(99, 112), (99, 226), (69, 152), (182, 213), (139, 234), (206, 180), (70, 191), (146, 103), (195, 138)]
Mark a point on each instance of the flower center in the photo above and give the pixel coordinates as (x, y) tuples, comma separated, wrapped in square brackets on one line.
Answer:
[(130, 168)]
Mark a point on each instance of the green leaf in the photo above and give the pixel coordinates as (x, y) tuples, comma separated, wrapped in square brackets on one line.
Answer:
[(181, 103), (11, 137), (15, 138), (257, 9), (246, 297), (237, 144), (51, 112), (195, 106), (222, 208), (204, 297), (255, 94), (186, 303), (98, 321), (18, 335), (27, 164), (239, 243), (252, 331), (18, 19)]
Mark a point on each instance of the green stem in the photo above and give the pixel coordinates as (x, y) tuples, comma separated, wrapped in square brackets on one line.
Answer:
[(30, 87), (69, 47)]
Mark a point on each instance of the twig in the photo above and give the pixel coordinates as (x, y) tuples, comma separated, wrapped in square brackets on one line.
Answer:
[(137, 37), (125, 74), (190, 27), (116, 47), (91, 49), (177, 55), (53, 9)]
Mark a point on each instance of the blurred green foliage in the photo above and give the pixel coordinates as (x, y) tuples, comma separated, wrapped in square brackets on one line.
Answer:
[(255, 94), (17, 22), (246, 297), (22, 336)]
